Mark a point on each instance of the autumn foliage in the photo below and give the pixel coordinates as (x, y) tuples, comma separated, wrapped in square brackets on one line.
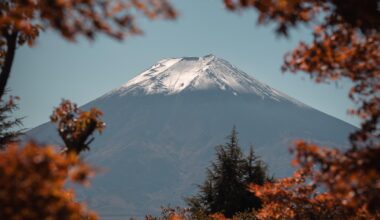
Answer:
[(34, 178), (345, 45), (297, 197), (352, 177), (75, 126), (78, 17), (22, 20), (32, 184)]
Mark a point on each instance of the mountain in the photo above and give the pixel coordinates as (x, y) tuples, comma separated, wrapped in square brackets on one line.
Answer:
[(163, 126)]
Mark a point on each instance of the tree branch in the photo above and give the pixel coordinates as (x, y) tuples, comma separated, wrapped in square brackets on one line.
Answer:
[(6, 68)]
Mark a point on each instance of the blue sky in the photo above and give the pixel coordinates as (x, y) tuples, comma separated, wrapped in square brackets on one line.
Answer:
[(54, 68)]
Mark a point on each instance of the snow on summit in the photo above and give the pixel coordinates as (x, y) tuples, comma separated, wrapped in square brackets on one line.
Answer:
[(172, 76)]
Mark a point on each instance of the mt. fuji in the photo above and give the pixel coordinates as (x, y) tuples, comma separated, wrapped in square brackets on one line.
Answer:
[(178, 75), (163, 125)]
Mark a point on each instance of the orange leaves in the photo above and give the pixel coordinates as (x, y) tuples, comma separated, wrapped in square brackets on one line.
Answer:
[(218, 216), (21, 21), (346, 44), (285, 13), (175, 216), (72, 18), (155, 8), (76, 126), (352, 177), (33, 178), (32, 184), (229, 4), (341, 49), (87, 117), (138, 4), (81, 174), (296, 198)]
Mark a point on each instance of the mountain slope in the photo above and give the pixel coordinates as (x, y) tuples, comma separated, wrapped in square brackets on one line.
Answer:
[(173, 76), (163, 125)]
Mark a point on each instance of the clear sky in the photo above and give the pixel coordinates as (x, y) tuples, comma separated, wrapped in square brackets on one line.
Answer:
[(54, 68)]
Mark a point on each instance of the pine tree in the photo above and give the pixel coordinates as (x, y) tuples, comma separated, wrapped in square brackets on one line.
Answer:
[(255, 169), (225, 188), (8, 132)]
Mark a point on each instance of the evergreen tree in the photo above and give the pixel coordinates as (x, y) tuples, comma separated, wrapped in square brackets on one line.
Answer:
[(225, 188), (255, 170), (8, 132)]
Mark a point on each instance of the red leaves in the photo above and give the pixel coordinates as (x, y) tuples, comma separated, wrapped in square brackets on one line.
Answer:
[(339, 50), (346, 45), (87, 17), (296, 198), (230, 4), (32, 184), (218, 216), (285, 13), (21, 21), (352, 177), (76, 126)]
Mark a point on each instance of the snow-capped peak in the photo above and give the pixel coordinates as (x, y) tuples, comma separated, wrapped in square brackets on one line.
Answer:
[(172, 76)]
